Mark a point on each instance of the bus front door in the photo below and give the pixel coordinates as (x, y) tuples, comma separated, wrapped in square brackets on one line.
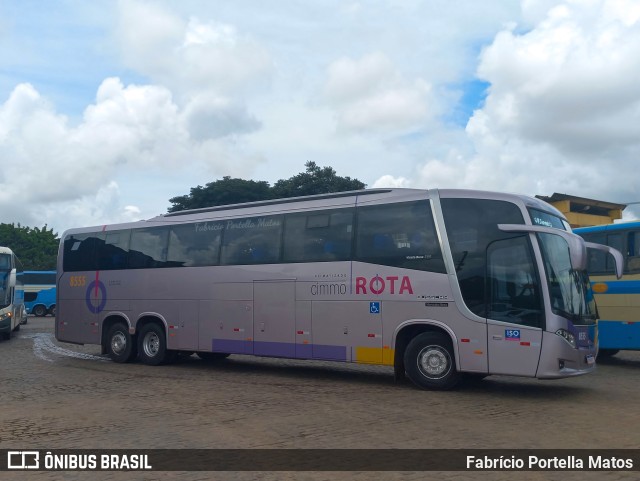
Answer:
[(514, 310), (513, 349)]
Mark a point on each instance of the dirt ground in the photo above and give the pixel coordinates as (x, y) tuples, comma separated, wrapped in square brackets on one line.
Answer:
[(62, 396)]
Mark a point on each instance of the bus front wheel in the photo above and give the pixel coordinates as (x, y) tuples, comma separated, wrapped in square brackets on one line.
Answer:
[(120, 344), (152, 345), (429, 361)]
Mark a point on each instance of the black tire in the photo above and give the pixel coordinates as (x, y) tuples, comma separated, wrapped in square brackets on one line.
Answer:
[(152, 346), (212, 356), (120, 344), (429, 361), (606, 353), (39, 311), (52, 310)]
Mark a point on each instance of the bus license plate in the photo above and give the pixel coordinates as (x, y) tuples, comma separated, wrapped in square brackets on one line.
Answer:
[(591, 360)]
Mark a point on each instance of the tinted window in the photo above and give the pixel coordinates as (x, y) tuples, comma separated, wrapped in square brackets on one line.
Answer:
[(596, 260), (254, 240), (400, 235), (514, 289), (195, 244), (112, 253), (39, 277), (149, 248), (472, 225), (633, 261), (318, 236), (80, 250)]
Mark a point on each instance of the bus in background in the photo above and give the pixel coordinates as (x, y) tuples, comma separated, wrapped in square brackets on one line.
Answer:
[(618, 301), (12, 311), (438, 284), (40, 292)]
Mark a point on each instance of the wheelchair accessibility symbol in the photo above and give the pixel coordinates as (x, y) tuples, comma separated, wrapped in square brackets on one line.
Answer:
[(374, 308)]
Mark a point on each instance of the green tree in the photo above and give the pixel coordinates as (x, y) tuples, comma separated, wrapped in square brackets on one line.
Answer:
[(315, 180), (36, 248), (222, 192)]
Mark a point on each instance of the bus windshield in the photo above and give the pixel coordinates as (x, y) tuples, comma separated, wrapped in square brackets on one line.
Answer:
[(569, 289), (5, 269)]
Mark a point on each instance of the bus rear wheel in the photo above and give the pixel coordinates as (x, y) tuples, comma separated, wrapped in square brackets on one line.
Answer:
[(39, 311), (120, 344), (152, 346), (429, 361)]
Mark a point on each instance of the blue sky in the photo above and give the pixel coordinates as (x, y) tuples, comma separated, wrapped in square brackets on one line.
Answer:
[(108, 109)]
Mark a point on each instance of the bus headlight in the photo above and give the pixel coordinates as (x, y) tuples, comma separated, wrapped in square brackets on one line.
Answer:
[(567, 336)]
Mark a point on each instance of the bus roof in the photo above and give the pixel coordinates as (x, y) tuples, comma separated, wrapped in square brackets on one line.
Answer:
[(608, 227), (335, 200)]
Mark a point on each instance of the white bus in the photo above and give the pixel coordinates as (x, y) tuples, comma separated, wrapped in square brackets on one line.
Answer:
[(436, 283), (12, 311)]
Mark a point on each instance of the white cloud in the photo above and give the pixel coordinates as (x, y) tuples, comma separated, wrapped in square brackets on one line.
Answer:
[(189, 56), (370, 95), (188, 92), (391, 182), (563, 110)]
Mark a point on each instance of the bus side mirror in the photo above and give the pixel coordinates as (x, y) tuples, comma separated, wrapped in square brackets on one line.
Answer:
[(617, 255), (576, 244), (12, 278)]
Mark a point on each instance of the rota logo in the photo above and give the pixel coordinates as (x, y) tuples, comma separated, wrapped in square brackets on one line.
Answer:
[(378, 285)]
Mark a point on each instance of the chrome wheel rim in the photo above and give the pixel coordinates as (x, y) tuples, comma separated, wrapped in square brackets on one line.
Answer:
[(151, 344), (433, 362), (118, 343)]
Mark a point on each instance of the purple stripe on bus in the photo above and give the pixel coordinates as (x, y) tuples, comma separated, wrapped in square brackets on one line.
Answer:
[(275, 349), (280, 349), (232, 346), (304, 351), (332, 353)]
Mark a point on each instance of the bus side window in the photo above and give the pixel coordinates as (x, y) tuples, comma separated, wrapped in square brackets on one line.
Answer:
[(318, 236), (112, 254), (596, 260), (615, 241), (148, 248), (399, 235), (252, 240), (633, 259)]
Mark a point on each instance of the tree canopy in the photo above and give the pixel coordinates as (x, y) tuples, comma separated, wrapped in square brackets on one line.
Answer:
[(315, 180), (36, 248)]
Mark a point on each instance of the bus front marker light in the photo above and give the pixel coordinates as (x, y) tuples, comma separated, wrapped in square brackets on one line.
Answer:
[(567, 336)]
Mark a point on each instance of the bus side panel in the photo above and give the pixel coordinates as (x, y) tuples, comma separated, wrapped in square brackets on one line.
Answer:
[(618, 334), (618, 304), (226, 326), (274, 320), (339, 331)]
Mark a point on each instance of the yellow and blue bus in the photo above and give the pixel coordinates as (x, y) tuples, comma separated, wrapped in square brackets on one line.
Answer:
[(618, 301)]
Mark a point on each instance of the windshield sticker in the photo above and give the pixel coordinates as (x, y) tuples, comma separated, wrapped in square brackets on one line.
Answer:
[(542, 222)]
